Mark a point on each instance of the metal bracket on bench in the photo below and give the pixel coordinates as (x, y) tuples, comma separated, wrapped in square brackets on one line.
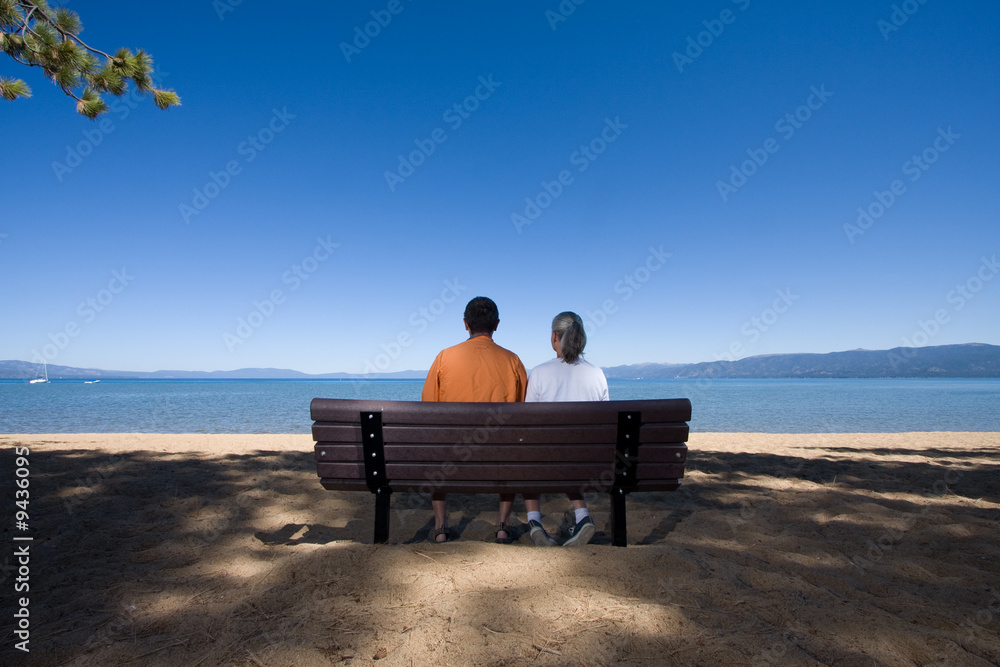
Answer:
[(626, 458), (374, 450), (627, 449), (373, 447)]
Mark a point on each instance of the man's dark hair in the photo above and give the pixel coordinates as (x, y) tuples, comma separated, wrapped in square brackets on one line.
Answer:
[(481, 315)]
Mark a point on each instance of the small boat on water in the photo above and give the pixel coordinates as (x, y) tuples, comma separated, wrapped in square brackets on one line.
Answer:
[(45, 378), (91, 381)]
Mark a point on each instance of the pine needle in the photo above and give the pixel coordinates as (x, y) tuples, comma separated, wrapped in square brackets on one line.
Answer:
[(546, 650)]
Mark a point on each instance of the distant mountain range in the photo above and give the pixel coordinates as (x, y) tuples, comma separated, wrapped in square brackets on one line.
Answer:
[(26, 370), (971, 360)]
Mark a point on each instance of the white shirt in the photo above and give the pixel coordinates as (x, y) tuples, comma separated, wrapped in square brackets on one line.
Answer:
[(555, 380)]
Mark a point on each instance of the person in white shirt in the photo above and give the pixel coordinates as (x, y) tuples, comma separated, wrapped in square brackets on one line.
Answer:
[(568, 377)]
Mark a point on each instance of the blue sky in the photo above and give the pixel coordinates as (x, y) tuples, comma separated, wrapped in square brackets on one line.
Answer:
[(687, 178)]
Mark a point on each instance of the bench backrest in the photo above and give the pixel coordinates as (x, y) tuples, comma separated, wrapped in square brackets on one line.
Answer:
[(510, 447)]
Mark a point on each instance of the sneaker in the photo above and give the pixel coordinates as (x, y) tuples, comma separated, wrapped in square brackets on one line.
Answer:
[(539, 536), (582, 532)]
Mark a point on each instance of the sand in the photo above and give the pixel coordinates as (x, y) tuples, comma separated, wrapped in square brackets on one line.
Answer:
[(845, 549)]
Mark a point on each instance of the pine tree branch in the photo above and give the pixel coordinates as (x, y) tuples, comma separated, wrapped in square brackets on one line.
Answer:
[(70, 93), (49, 20), (33, 35)]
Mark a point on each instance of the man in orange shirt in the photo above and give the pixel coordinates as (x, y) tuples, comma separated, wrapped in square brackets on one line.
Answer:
[(477, 370)]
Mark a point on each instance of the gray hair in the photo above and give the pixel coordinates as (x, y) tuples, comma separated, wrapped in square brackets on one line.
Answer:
[(572, 337)]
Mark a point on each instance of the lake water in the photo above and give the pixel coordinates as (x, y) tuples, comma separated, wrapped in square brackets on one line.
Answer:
[(282, 406)]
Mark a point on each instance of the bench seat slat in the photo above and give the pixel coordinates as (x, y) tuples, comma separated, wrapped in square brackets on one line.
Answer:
[(497, 472), (493, 414), (394, 453), (545, 486), (461, 435)]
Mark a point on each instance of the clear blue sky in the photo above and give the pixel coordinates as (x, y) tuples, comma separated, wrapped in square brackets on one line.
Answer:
[(634, 130)]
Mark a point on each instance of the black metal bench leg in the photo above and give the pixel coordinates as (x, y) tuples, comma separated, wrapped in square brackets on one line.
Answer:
[(619, 526), (382, 515)]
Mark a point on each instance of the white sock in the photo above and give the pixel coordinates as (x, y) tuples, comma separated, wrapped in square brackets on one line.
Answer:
[(535, 516), (581, 514)]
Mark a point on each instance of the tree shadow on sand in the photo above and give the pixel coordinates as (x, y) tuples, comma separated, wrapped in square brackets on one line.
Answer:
[(163, 558)]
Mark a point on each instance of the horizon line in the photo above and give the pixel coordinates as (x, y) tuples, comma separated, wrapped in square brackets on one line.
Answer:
[(385, 375)]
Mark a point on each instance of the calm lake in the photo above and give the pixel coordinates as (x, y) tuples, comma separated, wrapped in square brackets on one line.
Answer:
[(282, 406)]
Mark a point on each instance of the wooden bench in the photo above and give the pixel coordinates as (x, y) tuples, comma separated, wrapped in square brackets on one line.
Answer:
[(608, 446)]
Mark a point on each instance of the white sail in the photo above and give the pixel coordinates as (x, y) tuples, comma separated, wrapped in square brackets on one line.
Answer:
[(45, 378)]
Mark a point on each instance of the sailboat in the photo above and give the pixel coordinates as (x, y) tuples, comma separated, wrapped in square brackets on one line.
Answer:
[(42, 380)]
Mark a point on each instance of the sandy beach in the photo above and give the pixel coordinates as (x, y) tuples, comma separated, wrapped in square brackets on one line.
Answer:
[(816, 549)]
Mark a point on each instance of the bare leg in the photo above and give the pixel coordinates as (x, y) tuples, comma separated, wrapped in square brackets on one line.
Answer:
[(440, 514), (575, 498), (506, 505)]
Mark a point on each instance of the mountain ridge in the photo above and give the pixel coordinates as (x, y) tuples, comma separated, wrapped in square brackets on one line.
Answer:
[(967, 360)]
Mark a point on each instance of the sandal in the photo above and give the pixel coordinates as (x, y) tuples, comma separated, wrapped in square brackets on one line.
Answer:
[(442, 531), (503, 528)]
